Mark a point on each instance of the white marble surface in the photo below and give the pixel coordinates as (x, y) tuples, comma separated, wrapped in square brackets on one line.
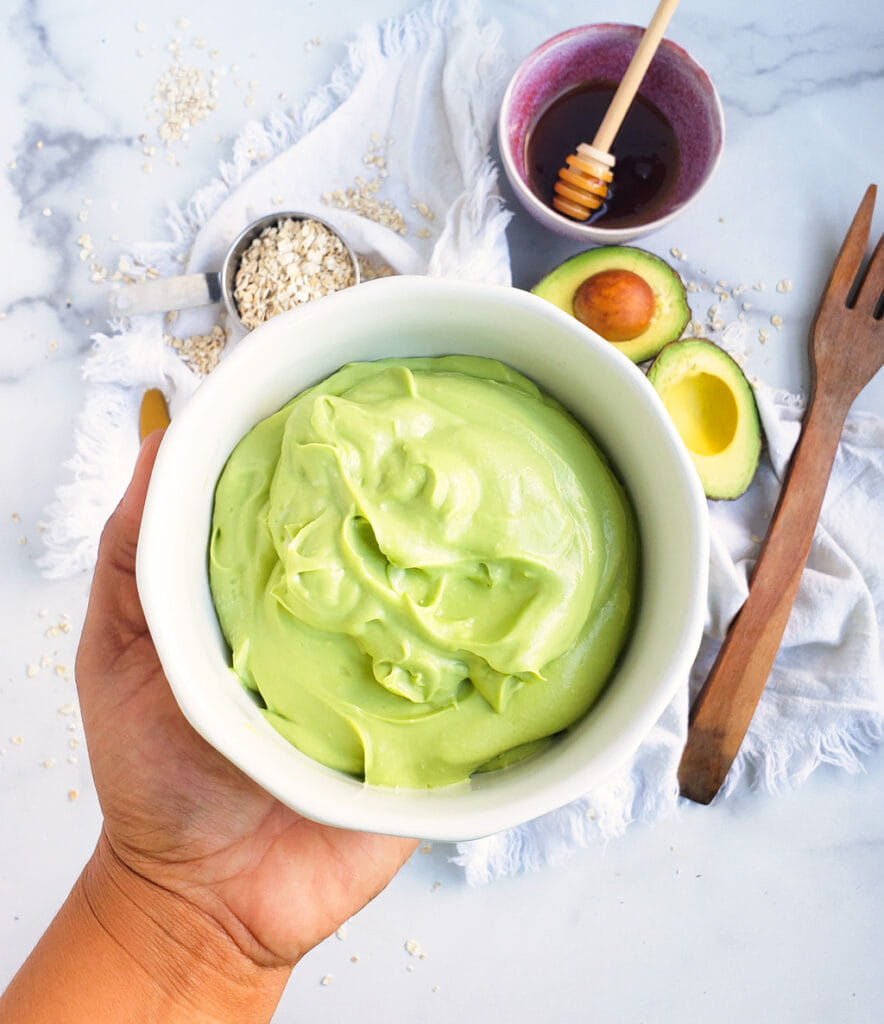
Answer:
[(756, 908)]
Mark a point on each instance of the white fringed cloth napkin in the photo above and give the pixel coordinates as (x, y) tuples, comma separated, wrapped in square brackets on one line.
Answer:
[(412, 110)]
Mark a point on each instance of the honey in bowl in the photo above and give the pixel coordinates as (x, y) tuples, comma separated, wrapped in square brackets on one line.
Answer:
[(646, 151)]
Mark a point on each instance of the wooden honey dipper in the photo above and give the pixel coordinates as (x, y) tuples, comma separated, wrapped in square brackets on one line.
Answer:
[(583, 184)]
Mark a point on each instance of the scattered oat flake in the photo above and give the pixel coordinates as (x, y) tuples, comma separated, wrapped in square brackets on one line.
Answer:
[(341, 932), (370, 271), (763, 336), (62, 626), (32, 670), (423, 210), (48, 763), (183, 97), (327, 980), (18, 740), (677, 253), (412, 947), (47, 212), (73, 794), (784, 286), (362, 197), (201, 352), (777, 321)]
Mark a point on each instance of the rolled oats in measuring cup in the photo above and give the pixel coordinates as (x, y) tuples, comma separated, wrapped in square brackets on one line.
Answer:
[(277, 263), (290, 262)]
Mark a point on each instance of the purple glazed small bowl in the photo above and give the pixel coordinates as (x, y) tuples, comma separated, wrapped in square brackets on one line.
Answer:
[(674, 82)]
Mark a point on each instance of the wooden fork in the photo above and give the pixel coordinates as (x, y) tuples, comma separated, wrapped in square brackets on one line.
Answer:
[(846, 351)]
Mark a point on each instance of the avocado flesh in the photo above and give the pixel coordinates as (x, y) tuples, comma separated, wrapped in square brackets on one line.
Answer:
[(671, 312), (713, 408)]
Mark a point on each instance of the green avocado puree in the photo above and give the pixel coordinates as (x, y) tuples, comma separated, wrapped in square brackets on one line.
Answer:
[(423, 567)]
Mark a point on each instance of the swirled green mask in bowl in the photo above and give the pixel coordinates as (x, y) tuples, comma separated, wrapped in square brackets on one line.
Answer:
[(424, 568)]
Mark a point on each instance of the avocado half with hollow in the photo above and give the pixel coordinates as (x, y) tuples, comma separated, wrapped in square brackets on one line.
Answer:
[(630, 297), (713, 408)]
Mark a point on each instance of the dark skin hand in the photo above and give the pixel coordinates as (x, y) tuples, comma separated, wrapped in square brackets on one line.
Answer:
[(177, 813)]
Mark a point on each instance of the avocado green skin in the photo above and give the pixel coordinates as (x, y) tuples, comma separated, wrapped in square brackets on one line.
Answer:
[(672, 313), (725, 474)]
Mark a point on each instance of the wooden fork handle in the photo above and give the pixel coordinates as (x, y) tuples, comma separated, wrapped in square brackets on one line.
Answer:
[(724, 707)]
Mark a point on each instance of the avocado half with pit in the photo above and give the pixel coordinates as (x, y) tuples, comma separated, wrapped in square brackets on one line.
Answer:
[(630, 297), (713, 408)]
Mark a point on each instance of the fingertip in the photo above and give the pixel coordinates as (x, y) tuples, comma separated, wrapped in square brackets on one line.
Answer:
[(149, 448)]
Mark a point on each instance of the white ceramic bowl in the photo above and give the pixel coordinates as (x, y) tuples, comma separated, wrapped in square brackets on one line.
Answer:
[(410, 316), (674, 82)]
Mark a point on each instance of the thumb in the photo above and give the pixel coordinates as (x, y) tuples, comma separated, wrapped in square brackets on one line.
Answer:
[(113, 598), (119, 538), (114, 619)]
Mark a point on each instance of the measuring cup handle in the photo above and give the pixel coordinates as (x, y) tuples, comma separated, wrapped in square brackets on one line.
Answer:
[(164, 294)]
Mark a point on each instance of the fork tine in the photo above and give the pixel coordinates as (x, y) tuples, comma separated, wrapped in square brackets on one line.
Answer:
[(852, 251), (871, 292)]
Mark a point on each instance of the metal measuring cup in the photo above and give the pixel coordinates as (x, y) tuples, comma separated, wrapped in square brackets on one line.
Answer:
[(187, 290)]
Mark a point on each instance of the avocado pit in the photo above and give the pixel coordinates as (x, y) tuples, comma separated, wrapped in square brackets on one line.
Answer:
[(617, 304), (627, 296)]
